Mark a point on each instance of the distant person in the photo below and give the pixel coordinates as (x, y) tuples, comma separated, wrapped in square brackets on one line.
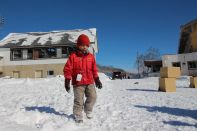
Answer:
[(81, 68), (125, 75)]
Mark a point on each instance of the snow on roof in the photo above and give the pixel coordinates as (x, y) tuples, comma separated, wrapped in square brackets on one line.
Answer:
[(44, 38)]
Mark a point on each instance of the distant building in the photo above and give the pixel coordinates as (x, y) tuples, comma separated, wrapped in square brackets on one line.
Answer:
[(153, 67), (40, 54), (186, 58), (188, 38)]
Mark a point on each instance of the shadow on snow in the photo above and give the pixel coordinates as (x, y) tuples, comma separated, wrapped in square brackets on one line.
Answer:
[(49, 110), (178, 123), (173, 111), (142, 90)]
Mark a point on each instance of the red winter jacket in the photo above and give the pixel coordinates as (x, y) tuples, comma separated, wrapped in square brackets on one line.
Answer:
[(84, 64)]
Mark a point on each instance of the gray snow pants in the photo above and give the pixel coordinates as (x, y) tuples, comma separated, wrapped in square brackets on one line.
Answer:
[(79, 105)]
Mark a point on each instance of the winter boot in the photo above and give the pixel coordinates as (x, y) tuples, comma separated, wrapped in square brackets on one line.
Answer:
[(78, 119), (89, 115)]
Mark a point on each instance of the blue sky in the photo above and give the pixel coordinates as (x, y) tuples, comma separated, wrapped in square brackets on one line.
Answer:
[(124, 27)]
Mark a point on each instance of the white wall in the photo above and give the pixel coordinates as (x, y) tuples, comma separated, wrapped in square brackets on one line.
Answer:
[(95, 46), (37, 62), (167, 61), (5, 53)]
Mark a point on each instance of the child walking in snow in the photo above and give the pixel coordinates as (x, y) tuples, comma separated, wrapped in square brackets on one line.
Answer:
[(81, 69)]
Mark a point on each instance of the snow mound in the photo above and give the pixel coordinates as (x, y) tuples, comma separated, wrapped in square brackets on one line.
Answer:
[(183, 81), (103, 77)]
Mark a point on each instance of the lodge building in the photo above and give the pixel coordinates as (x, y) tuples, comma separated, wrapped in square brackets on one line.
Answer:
[(40, 54)]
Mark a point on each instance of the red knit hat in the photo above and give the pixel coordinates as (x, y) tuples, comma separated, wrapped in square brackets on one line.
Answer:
[(83, 40)]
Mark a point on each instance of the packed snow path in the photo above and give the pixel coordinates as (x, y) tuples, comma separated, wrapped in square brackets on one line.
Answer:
[(122, 105)]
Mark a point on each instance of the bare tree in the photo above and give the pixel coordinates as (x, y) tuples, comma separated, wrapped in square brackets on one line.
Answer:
[(139, 63), (150, 54)]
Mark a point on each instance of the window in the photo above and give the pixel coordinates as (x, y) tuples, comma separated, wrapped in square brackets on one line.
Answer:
[(50, 73), (20, 54), (29, 54), (42, 53), (38, 74), (51, 52), (71, 49), (39, 53), (16, 74), (66, 51), (192, 64), (176, 64), (16, 54)]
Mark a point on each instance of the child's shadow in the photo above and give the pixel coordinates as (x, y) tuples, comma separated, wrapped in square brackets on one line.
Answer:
[(49, 110)]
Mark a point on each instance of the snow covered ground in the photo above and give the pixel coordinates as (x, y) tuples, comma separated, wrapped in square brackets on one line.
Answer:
[(122, 105)]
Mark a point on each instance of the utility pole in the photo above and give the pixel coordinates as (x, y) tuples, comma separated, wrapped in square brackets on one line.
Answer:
[(138, 64), (2, 21)]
